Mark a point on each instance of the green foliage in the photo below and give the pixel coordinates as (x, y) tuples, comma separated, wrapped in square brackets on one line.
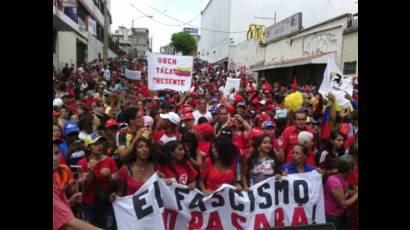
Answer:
[(184, 42)]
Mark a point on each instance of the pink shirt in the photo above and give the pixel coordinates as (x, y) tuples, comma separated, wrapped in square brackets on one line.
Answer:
[(62, 213), (331, 206)]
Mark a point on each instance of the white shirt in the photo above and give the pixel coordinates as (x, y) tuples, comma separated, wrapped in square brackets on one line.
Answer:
[(198, 115), (107, 75)]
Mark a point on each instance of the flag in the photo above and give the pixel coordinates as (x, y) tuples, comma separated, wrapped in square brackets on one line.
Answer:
[(294, 83), (325, 131), (334, 81)]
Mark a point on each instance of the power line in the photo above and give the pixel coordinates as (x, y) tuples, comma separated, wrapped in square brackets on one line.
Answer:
[(187, 23)]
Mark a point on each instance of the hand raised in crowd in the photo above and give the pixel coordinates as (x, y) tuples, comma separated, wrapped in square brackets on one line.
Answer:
[(112, 197), (238, 187), (76, 198), (91, 164), (105, 171), (331, 97), (348, 96), (207, 192), (285, 172), (191, 186)]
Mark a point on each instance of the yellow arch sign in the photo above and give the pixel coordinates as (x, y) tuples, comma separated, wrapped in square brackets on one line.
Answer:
[(257, 32)]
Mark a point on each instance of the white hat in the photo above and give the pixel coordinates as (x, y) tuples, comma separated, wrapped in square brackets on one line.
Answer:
[(58, 102), (171, 116), (304, 136)]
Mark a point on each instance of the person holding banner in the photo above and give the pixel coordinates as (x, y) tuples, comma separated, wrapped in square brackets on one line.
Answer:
[(262, 163), (138, 167), (298, 164), (177, 166), (337, 195), (220, 167)]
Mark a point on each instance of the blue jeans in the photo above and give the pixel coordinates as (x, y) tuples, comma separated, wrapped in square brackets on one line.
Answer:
[(101, 216), (338, 221)]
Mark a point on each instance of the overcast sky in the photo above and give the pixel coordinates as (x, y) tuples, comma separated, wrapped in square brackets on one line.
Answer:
[(184, 10)]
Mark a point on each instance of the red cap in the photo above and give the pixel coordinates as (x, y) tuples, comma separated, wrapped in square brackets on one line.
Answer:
[(257, 133), (56, 114), (270, 107), (188, 116), (110, 123), (205, 128), (230, 108), (263, 117), (187, 109)]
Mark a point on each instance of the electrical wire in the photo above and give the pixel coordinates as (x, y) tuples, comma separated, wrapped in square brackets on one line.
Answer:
[(187, 23)]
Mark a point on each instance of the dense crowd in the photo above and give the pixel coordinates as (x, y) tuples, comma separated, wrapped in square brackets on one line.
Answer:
[(110, 134)]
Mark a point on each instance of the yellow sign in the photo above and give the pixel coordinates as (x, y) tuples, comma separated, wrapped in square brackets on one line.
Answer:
[(257, 32)]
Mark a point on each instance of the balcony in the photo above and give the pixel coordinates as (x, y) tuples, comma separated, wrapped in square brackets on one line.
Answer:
[(64, 18)]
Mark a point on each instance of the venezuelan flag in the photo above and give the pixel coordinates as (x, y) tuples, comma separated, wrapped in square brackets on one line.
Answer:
[(183, 71), (325, 131)]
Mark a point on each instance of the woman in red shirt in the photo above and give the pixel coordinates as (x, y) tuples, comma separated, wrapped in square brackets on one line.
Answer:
[(220, 167), (138, 167), (178, 167), (99, 172)]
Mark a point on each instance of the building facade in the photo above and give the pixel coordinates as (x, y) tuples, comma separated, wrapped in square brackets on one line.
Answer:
[(302, 55), (135, 41), (78, 31), (225, 22)]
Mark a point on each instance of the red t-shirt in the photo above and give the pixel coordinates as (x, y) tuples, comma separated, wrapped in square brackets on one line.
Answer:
[(102, 180), (310, 160), (132, 185), (157, 135), (238, 138), (290, 137), (214, 178), (186, 175), (204, 148)]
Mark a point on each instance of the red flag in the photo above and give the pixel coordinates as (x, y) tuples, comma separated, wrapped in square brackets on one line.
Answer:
[(294, 83)]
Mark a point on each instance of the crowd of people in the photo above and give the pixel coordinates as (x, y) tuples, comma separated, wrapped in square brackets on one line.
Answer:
[(110, 134)]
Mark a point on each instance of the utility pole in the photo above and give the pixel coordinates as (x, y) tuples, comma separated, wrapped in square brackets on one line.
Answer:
[(105, 50), (274, 22)]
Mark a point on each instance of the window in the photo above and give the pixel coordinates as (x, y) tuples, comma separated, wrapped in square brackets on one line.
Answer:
[(349, 67)]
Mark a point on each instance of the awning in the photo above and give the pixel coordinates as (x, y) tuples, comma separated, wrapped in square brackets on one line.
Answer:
[(315, 59)]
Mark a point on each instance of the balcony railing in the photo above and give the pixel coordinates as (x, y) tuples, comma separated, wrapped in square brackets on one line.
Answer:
[(69, 7)]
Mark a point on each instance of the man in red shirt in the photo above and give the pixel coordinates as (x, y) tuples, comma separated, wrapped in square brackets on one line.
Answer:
[(290, 134)]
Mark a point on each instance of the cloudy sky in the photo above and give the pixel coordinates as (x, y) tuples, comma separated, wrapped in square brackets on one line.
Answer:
[(185, 10)]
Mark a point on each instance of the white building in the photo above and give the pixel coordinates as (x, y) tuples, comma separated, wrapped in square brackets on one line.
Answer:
[(135, 41), (78, 31), (235, 16), (304, 54)]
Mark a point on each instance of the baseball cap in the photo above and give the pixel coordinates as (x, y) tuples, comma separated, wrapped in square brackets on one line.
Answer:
[(92, 139), (188, 116), (214, 110), (242, 104), (268, 123), (70, 127), (148, 121), (111, 122), (264, 117), (58, 102), (214, 99), (304, 136), (171, 116), (205, 128)]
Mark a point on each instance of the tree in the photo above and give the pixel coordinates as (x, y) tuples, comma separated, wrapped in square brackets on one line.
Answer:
[(184, 42)]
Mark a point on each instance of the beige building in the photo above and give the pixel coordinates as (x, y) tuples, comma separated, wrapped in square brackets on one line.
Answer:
[(78, 31), (303, 54), (350, 59)]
